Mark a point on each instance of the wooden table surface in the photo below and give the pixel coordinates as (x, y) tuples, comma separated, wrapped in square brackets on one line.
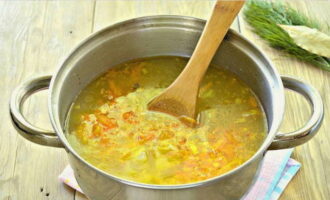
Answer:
[(35, 36)]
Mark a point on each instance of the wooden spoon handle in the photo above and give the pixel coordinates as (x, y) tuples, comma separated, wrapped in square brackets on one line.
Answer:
[(180, 98), (215, 30)]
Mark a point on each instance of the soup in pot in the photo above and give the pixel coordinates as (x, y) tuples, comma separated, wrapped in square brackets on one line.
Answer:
[(110, 127)]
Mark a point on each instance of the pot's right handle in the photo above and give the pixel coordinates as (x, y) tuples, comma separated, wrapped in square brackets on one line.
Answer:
[(24, 128), (302, 135)]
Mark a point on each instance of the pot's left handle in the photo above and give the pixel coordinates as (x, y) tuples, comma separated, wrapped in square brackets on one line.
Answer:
[(24, 128)]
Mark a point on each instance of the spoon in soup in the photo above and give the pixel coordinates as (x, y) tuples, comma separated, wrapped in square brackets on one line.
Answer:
[(180, 98)]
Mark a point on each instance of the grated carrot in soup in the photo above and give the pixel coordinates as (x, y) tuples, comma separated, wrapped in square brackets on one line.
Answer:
[(110, 127)]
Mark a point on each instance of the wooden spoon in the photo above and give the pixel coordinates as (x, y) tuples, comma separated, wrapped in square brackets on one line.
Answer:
[(180, 98)]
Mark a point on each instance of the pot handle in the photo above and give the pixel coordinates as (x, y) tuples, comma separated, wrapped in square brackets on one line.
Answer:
[(302, 135), (24, 128)]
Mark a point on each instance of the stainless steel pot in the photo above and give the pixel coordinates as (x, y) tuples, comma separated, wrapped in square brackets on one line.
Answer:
[(154, 36)]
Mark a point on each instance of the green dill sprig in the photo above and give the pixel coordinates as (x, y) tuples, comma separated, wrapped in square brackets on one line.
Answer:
[(265, 16)]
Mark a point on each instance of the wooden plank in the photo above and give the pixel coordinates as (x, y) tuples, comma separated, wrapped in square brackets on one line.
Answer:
[(12, 48), (312, 180), (35, 36), (80, 196), (109, 12), (7, 161)]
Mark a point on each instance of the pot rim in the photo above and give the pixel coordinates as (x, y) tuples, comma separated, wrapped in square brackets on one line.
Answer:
[(54, 115)]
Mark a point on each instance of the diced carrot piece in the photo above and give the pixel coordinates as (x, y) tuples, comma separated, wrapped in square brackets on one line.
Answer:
[(213, 137), (230, 138), (114, 90), (150, 137), (228, 152), (85, 117), (166, 135), (129, 117), (190, 164), (104, 141), (182, 140), (130, 134), (253, 102), (203, 156), (97, 131), (175, 125), (126, 156), (108, 122), (145, 138)]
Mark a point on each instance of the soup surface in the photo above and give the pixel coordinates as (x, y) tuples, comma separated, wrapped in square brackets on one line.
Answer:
[(110, 127)]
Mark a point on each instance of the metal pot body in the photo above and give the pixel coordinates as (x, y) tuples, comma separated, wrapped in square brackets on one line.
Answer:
[(159, 36), (99, 187)]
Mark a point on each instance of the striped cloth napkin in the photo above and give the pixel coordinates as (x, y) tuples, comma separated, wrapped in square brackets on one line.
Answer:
[(276, 172)]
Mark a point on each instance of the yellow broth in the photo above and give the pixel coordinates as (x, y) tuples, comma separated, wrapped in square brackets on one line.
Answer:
[(110, 127)]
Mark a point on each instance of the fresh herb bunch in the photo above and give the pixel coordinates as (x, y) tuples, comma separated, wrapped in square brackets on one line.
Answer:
[(264, 17)]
